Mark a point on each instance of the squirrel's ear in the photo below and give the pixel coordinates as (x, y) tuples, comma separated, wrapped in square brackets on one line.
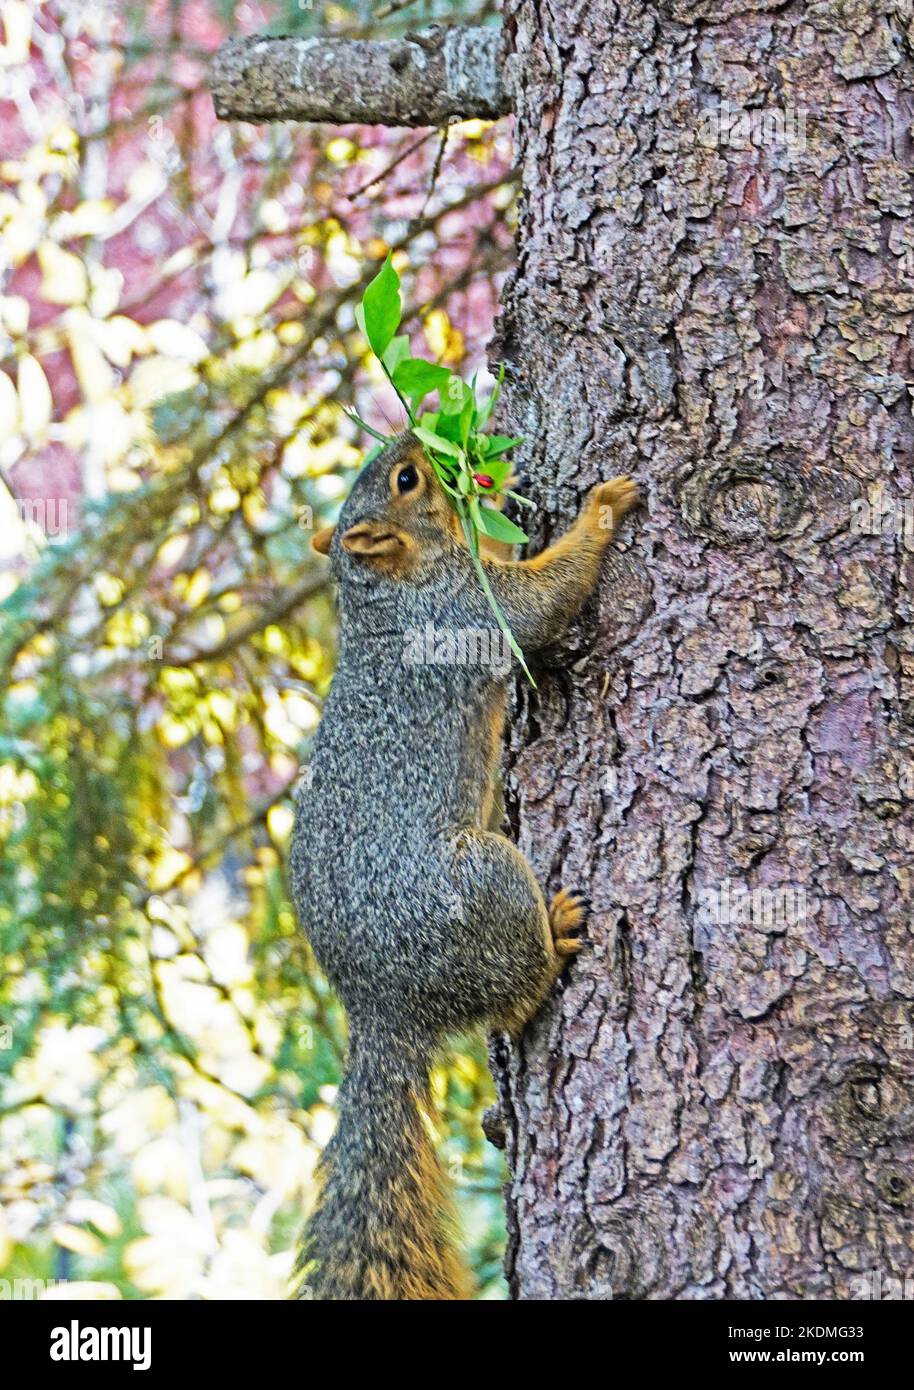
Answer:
[(320, 541)]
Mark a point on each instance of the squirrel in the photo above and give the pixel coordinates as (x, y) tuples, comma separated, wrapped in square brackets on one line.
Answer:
[(425, 920)]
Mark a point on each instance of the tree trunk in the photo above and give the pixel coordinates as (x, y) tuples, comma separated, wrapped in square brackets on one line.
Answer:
[(715, 291), (717, 1103)]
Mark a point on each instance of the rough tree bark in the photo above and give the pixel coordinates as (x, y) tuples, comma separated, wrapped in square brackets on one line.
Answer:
[(425, 79), (711, 1107), (714, 1109)]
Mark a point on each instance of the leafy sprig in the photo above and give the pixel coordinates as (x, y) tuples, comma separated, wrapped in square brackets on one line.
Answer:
[(472, 467)]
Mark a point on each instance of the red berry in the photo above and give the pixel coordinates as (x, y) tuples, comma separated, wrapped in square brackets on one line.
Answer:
[(483, 480)]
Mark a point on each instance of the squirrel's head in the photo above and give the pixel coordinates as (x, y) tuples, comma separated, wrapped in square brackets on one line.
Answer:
[(396, 522)]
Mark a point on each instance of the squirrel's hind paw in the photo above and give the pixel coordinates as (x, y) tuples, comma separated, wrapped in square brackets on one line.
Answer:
[(567, 916)]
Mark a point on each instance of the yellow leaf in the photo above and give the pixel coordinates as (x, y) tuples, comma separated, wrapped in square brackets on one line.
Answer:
[(174, 339), (222, 707), (64, 275), (108, 427), (9, 409), (116, 429), (168, 867), (17, 22), (273, 215), (226, 954), (300, 711), (76, 1239), (340, 253), (171, 551), (198, 587), (63, 139), (182, 259), (89, 219), (291, 332), (95, 377), (15, 309), (24, 219), (117, 337), (176, 680), (146, 182), (445, 341), (108, 589), (251, 294), (163, 1265), (126, 629), (107, 283), (161, 1167), (224, 498), (279, 823), (256, 352), (256, 511), (123, 480), (174, 733), (83, 1210), (340, 150), (35, 401), (159, 376), (472, 130)]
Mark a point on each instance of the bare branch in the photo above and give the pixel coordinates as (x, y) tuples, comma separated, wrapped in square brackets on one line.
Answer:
[(423, 79)]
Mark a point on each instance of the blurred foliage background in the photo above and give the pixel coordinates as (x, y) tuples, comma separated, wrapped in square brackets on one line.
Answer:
[(176, 341)]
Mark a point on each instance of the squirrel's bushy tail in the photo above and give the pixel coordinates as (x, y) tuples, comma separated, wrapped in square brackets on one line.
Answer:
[(383, 1225)]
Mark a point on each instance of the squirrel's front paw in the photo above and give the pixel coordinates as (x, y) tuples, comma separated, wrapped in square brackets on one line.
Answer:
[(613, 499), (610, 501)]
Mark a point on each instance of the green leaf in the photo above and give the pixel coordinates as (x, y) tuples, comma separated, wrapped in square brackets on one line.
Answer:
[(467, 416), (416, 378), (500, 528), (435, 441), (395, 353), (451, 491), (381, 308), (496, 444), (485, 410), (454, 395), (363, 425), (448, 427), (458, 422), (497, 470), (500, 618)]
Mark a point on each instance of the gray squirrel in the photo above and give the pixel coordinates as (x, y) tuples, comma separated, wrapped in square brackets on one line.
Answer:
[(425, 921)]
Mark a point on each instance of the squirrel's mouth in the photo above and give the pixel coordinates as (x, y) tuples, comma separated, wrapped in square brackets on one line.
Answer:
[(374, 541)]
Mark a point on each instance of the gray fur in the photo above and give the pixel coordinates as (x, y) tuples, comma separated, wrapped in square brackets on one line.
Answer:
[(424, 922)]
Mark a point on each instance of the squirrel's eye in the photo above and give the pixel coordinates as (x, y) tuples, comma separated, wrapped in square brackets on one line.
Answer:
[(407, 478)]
